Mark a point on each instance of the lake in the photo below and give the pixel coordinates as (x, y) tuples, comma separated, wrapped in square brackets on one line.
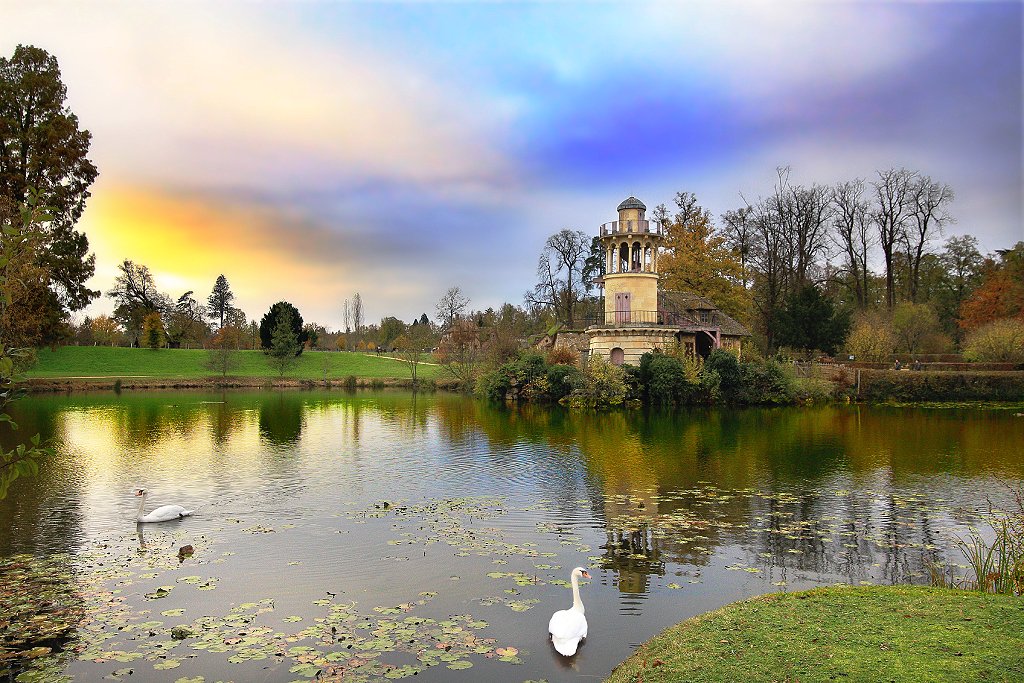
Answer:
[(380, 535)]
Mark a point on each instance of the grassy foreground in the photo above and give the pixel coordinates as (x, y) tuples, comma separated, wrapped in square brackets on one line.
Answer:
[(899, 633), (105, 361)]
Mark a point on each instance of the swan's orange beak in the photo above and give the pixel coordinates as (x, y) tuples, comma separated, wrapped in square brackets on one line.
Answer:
[(586, 574)]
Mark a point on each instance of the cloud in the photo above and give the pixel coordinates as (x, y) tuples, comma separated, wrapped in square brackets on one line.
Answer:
[(235, 95)]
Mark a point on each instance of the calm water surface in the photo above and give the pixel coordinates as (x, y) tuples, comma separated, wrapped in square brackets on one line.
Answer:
[(375, 535)]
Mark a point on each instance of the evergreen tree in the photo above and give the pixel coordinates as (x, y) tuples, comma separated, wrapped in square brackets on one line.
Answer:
[(284, 342), (269, 323), (810, 321), (219, 301)]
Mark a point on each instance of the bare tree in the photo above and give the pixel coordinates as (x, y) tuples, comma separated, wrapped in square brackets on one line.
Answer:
[(739, 231), (929, 211), (560, 268), (803, 214), (346, 317), (851, 232), (357, 315), (894, 204), (769, 260), (451, 307)]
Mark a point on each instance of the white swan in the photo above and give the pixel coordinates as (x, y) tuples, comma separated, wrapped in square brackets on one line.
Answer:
[(569, 626), (164, 513)]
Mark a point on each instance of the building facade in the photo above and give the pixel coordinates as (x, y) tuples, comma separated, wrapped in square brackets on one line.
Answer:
[(638, 316)]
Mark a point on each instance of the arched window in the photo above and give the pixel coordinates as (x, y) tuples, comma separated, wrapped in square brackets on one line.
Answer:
[(618, 356)]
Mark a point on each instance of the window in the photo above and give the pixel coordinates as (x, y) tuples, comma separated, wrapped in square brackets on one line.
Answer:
[(705, 316), (618, 356)]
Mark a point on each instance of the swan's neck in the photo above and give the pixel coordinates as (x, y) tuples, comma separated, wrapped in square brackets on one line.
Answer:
[(577, 604), (142, 505)]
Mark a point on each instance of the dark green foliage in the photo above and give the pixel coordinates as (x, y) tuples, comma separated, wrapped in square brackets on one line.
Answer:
[(284, 342), (810, 321), (886, 385), (269, 323), (528, 378), (561, 380), (218, 304), (765, 382), (43, 150), (664, 380), (730, 376)]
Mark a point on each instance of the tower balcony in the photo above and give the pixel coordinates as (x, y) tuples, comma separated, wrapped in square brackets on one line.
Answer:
[(637, 227), (635, 318)]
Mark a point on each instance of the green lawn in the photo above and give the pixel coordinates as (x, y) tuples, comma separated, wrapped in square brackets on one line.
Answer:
[(900, 633), (103, 361)]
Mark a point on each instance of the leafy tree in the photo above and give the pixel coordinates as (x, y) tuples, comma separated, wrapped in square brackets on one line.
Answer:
[(105, 330), (17, 238), (698, 259), (424, 320), (42, 150), (222, 353), (185, 322), (460, 352), (218, 304), (153, 332), (313, 332), (391, 328), (810, 321), (1001, 292), (871, 338), (269, 323), (916, 327), (600, 385), (285, 345), (136, 297)]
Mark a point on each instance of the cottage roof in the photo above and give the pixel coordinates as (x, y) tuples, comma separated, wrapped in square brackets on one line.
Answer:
[(683, 302), (631, 203)]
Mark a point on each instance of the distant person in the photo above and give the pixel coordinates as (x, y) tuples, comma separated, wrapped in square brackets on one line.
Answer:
[(896, 365), (917, 364)]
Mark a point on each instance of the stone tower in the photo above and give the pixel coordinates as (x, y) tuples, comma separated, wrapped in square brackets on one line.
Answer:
[(632, 324), (631, 247)]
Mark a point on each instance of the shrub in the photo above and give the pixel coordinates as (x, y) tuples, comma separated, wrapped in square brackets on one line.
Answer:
[(998, 341), (728, 369), (765, 382), (600, 386), (561, 379)]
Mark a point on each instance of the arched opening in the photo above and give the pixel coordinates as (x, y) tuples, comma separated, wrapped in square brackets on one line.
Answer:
[(635, 263), (623, 258), (704, 343), (618, 356)]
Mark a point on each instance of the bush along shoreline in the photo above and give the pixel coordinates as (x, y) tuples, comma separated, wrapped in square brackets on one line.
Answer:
[(660, 380)]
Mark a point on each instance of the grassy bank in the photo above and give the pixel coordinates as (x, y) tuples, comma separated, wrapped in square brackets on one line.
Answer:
[(899, 633), (86, 362)]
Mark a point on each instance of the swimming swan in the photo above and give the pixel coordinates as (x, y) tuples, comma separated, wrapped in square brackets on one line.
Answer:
[(569, 626), (164, 513)]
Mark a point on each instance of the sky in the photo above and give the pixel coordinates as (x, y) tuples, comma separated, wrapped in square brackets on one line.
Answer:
[(312, 150)]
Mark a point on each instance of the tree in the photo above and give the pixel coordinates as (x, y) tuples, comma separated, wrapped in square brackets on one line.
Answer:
[(915, 327), (871, 338), (136, 296), (1001, 292), (560, 270), (810, 321), (285, 345), (929, 213), (391, 328), (357, 315), (739, 231), (893, 208), (17, 238), (413, 346), (460, 351), (851, 232), (185, 322), (222, 353), (269, 323), (42, 150), (219, 302), (105, 330), (451, 307), (153, 332), (697, 258)]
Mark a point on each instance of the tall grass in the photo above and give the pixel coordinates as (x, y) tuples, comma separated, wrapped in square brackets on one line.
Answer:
[(997, 566)]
